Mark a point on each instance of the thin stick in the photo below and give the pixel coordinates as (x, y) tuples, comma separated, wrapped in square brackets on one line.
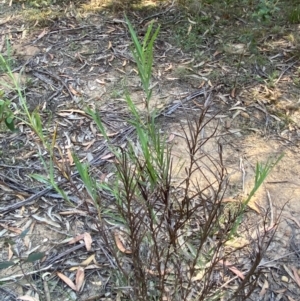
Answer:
[(14, 277), (243, 172), (271, 209)]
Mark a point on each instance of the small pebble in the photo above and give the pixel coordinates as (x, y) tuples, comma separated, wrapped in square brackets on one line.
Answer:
[(285, 279)]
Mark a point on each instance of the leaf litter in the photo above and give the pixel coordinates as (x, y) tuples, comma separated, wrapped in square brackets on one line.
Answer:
[(77, 71)]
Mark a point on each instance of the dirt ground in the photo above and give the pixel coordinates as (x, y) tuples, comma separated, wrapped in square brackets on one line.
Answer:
[(84, 60)]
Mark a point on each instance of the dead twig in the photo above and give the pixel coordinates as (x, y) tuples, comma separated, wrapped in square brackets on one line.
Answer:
[(14, 277), (56, 77), (271, 209), (285, 70), (53, 260)]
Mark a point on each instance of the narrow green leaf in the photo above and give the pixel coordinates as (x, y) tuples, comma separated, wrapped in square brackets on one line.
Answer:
[(6, 264), (40, 178), (89, 183), (37, 122), (24, 233), (147, 35), (98, 121), (62, 193), (35, 256), (135, 40), (150, 47), (132, 107)]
